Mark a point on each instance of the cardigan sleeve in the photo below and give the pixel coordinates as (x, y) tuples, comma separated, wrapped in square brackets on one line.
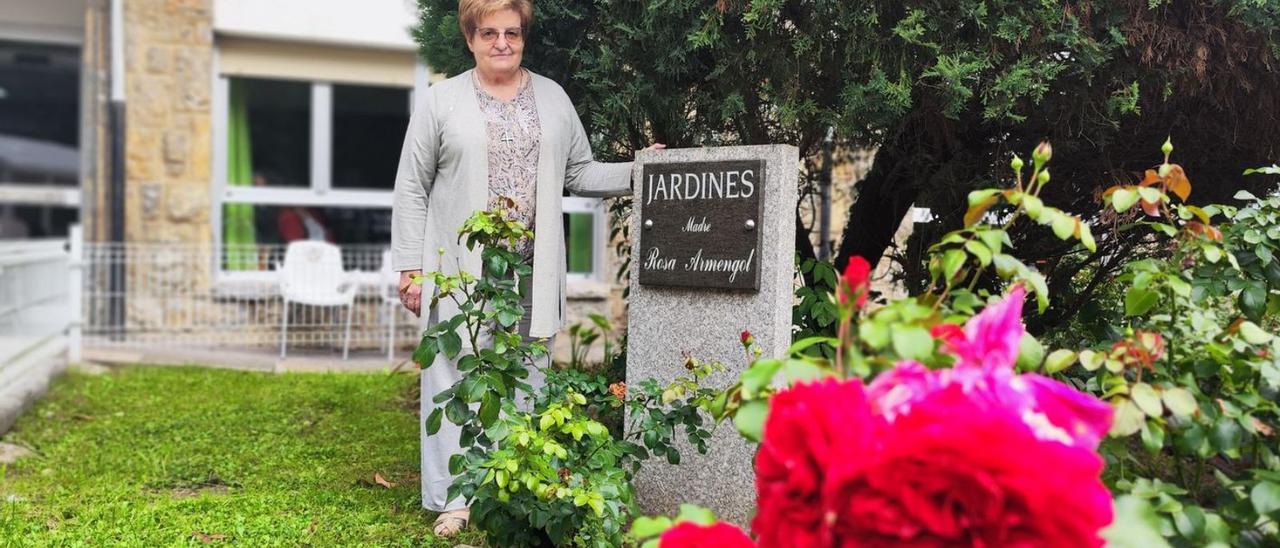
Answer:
[(583, 175), (416, 174)]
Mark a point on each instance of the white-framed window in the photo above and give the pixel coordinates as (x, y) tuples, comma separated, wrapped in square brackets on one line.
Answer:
[(40, 91), (586, 233), (300, 159), (297, 159)]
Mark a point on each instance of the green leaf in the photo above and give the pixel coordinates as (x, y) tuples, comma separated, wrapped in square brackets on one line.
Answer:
[(979, 251), (1273, 169), (696, 514), (1226, 436), (1123, 199), (1212, 253), (758, 376), (1128, 419), (1030, 353), (1265, 497), (489, 409), (1091, 360), (1006, 265), (1190, 522), (433, 421), (803, 371), (1058, 360), (874, 332), (1152, 436), (750, 419), (911, 342), (1253, 334), (1245, 195), (1033, 206), (1253, 301), (450, 343), (1137, 301), (1147, 399), (1180, 401), (425, 354), (1064, 226), (645, 526), (1086, 238), (803, 344), (952, 262), (1136, 525)]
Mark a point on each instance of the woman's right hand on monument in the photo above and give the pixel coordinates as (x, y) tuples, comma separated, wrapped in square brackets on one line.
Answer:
[(410, 291)]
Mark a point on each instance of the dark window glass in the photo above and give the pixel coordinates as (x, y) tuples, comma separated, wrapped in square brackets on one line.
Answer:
[(39, 114), (369, 124), (268, 224), (254, 234), (23, 221), (279, 121)]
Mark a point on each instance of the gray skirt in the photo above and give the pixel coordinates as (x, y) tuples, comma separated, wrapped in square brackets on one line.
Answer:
[(437, 449)]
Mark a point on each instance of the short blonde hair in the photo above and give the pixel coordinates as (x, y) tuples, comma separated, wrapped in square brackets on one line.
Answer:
[(470, 12)]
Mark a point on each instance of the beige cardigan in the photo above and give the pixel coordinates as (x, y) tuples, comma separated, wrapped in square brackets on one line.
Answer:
[(443, 178)]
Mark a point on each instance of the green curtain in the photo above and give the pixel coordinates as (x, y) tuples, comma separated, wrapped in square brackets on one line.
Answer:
[(238, 234), (579, 236)]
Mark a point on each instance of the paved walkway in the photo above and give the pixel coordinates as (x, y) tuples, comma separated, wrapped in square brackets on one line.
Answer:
[(309, 361)]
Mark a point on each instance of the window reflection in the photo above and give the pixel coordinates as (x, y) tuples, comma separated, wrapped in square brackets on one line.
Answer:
[(39, 114)]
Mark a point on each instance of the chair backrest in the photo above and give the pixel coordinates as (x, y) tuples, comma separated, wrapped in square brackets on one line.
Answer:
[(312, 269), (388, 278)]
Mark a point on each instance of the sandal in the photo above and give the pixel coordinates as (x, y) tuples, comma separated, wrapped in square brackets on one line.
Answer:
[(450, 523)]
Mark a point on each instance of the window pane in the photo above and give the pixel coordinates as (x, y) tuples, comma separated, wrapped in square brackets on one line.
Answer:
[(250, 231), (269, 133), (39, 114), (264, 224), (368, 130), (579, 234), (25, 221)]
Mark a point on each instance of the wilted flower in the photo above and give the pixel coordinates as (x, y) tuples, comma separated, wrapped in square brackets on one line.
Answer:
[(618, 390)]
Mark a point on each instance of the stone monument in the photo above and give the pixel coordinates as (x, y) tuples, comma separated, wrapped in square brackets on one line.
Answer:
[(713, 254)]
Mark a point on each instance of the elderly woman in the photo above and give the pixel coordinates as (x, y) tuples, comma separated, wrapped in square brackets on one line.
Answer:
[(495, 131)]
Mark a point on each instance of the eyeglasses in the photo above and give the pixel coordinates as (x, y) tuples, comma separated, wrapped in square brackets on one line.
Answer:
[(490, 35)]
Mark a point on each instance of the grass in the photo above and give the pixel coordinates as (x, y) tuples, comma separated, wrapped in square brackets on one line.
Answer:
[(187, 456)]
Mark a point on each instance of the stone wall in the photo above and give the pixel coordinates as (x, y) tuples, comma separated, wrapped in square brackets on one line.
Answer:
[(168, 144)]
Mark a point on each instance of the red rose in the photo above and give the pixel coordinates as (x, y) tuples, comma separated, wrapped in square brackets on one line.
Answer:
[(810, 429), (855, 281), (746, 338), (691, 535), (955, 471), (948, 333)]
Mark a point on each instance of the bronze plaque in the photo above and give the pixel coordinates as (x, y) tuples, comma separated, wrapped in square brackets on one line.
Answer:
[(700, 224)]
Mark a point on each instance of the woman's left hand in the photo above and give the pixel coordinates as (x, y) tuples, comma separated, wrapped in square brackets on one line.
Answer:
[(655, 146)]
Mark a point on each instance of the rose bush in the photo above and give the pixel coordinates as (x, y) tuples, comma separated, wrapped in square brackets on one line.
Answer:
[(947, 457)]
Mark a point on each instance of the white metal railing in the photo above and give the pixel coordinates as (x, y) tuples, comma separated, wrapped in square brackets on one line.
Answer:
[(34, 301), (185, 295)]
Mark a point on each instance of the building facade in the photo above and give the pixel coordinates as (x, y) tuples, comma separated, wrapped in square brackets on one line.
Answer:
[(222, 129)]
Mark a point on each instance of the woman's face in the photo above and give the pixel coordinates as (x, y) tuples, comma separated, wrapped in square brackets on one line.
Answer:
[(497, 42)]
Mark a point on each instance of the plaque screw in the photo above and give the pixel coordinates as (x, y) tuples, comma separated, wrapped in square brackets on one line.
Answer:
[(751, 224), (648, 223)]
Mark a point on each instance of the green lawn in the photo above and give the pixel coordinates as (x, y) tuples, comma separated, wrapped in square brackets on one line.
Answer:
[(186, 456)]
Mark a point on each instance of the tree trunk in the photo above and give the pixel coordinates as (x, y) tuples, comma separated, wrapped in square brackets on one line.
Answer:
[(884, 197)]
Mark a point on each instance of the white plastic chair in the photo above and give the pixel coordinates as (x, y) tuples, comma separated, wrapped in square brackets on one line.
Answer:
[(389, 288), (312, 274)]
